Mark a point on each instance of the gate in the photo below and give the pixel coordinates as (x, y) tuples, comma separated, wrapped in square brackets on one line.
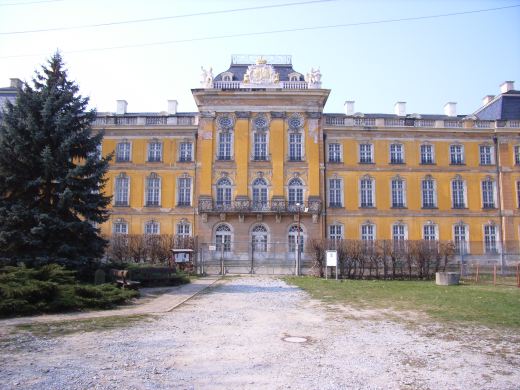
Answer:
[(260, 258)]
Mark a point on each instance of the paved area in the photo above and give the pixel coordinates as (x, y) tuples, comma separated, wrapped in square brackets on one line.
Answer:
[(233, 336), (154, 301)]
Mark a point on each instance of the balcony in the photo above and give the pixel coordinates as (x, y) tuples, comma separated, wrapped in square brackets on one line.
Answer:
[(268, 207)]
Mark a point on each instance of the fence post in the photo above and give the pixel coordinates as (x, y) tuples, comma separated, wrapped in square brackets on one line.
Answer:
[(518, 275), (476, 276), (494, 275)]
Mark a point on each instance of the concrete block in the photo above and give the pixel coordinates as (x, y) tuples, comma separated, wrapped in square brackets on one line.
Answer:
[(447, 278)]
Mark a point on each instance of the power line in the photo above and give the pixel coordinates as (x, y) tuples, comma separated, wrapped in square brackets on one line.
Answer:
[(30, 2), (381, 21), (162, 17)]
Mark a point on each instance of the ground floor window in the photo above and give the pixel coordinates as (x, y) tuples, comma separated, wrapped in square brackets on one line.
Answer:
[(223, 238), (293, 238), (259, 238)]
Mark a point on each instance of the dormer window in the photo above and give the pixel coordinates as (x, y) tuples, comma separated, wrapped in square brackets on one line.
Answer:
[(227, 76)]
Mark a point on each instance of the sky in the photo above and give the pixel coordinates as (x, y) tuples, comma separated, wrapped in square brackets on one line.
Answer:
[(364, 53)]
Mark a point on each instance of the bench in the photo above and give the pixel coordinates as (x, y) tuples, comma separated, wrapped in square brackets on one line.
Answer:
[(120, 277)]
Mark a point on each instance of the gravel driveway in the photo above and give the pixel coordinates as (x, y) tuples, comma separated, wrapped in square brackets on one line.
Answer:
[(232, 335)]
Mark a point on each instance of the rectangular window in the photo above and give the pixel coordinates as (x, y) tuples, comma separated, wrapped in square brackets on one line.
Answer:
[(122, 189), (396, 154), (517, 155), (398, 193), (183, 230), (486, 155), (295, 147), (186, 152), (260, 146), (154, 152), (367, 233), (488, 196), (335, 193), (153, 191), (335, 153), (365, 154), (335, 233), (224, 146), (429, 232), (428, 194), (427, 154), (456, 154), (457, 193), (518, 193), (184, 192), (223, 242), (120, 228), (123, 152), (398, 237), (367, 194), (460, 239), (490, 239)]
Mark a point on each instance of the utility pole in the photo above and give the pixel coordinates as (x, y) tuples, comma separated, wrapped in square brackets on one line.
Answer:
[(298, 243)]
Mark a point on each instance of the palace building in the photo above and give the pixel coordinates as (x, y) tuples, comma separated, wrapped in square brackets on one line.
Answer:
[(260, 163)]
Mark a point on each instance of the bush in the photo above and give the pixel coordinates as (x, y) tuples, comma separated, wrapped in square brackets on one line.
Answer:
[(50, 289), (156, 276)]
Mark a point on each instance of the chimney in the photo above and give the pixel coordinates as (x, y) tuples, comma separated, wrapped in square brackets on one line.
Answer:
[(400, 108), (172, 107), (507, 86), (450, 109), (121, 107), (487, 99), (16, 83), (349, 107)]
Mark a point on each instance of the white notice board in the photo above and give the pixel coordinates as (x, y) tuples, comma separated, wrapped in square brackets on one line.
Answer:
[(332, 258)]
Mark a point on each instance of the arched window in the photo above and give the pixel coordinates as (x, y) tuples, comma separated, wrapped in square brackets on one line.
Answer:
[(295, 191), (153, 190), (122, 190), (151, 227), (259, 194), (293, 238), (224, 193), (223, 238), (259, 238)]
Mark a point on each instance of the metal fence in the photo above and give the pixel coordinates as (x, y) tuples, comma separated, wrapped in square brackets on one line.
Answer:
[(245, 257), (488, 273)]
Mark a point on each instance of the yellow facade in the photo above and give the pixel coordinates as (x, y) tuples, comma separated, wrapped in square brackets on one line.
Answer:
[(234, 109)]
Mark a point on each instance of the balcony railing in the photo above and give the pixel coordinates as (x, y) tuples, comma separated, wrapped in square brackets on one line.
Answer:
[(143, 120), (250, 206)]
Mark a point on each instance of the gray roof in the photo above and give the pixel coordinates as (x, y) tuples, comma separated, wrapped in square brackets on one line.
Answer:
[(505, 106), (239, 70)]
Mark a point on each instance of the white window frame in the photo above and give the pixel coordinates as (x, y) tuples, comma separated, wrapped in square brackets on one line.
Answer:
[(180, 226), (259, 237), (224, 193), (150, 201), (152, 228), (516, 155), (434, 192), (372, 190), (149, 151), (292, 238), (395, 154), (221, 148), (124, 142), (185, 151), (184, 197), (465, 245), (335, 156), (116, 225), (295, 193), (368, 237), (435, 228), (363, 153), (491, 246), (399, 238), (117, 201), (333, 234), (464, 193), (432, 154), (455, 154), (260, 194), (490, 159), (488, 180), (402, 191), (293, 152), (225, 242), (335, 194)]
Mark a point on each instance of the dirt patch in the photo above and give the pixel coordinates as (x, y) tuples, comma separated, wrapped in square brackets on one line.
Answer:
[(232, 337)]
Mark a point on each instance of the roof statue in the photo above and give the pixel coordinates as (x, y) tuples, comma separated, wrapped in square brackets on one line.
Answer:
[(261, 74), (313, 78), (206, 77)]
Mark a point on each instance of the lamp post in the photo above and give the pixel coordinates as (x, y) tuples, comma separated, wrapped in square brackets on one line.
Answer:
[(298, 243)]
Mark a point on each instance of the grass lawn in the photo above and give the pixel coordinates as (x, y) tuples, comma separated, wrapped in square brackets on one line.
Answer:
[(485, 305)]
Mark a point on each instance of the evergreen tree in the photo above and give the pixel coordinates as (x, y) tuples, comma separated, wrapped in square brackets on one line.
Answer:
[(51, 174)]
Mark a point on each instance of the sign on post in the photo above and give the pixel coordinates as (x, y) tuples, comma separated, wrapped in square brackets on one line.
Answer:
[(212, 248), (331, 258)]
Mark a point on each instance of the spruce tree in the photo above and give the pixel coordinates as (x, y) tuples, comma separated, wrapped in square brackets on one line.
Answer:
[(51, 174)]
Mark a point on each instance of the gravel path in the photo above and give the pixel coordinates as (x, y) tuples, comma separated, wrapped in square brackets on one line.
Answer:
[(231, 336)]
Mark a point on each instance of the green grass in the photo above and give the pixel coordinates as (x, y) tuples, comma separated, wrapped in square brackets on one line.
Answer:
[(486, 305), (61, 328)]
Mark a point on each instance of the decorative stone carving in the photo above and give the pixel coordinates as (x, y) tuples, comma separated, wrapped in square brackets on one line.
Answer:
[(240, 217), (243, 114), (259, 217), (277, 114), (225, 122), (222, 217), (260, 122), (204, 217), (278, 218), (206, 77), (261, 74), (313, 78)]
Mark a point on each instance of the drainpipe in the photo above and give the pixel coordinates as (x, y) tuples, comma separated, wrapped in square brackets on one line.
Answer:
[(324, 194), (499, 204)]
